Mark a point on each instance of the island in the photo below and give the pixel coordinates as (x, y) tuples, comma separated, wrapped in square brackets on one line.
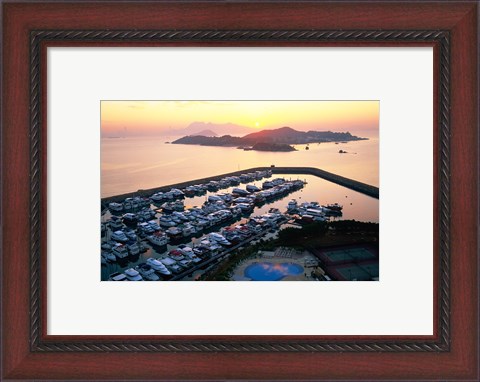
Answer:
[(270, 140)]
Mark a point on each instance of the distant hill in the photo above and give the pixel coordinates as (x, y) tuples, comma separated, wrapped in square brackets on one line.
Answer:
[(270, 140), (205, 133), (291, 136), (218, 128)]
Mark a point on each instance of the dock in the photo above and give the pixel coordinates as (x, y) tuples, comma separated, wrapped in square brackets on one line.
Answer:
[(355, 185)]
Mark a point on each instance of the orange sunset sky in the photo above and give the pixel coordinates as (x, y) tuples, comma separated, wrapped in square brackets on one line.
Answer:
[(163, 117)]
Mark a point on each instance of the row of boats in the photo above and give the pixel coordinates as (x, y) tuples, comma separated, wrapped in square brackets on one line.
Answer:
[(313, 211), (184, 257), (176, 225), (130, 204)]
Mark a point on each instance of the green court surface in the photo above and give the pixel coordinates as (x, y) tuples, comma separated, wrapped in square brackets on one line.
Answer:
[(362, 272), (349, 255)]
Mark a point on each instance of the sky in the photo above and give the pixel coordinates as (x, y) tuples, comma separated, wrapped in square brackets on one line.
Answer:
[(132, 118)]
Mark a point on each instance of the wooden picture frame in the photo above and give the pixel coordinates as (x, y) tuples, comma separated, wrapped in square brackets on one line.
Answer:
[(29, 28)]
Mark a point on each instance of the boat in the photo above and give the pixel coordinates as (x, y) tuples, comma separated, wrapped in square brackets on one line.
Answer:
[(153, 224), (188, 230), (158, 266), (177, 194), (292, 205), (115, 223), (217, 238), (157, 197), (133, 249), (120, 251), (117, 276), (117, 207), (129, 218), (109, 256), (158, 238), (133, 275), (245, 207), (119, 236), (132, 236), (240, 192), (334, 207), (147, 272), (174, 233), (166, 221)]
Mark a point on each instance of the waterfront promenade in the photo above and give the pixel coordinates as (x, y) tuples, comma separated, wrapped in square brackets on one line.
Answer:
[(363, 188)]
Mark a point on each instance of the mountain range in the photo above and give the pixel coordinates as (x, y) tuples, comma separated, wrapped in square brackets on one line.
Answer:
[(195, 128)]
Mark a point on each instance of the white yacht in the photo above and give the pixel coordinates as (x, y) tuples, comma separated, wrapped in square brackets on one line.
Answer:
[(133, 275), (158, 266), (119, 236), (216, 237)]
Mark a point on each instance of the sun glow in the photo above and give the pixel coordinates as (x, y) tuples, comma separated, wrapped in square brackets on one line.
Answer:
[(153, 117)]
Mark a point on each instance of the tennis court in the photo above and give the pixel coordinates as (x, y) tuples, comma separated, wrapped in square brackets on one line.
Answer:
[(358, 272), (349, 255)]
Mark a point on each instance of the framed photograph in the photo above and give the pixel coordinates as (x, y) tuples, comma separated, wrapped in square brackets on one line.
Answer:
[(283, 187)]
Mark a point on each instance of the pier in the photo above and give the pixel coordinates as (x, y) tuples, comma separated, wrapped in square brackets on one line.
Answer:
[(363, 188)]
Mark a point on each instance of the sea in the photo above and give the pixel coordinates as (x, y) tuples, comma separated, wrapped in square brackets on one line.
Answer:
[(133, 163), (130, 164)]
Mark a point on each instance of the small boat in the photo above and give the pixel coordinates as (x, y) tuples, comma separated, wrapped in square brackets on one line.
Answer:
[(117, 276), (120, 251), (133, 249), (133, 275), (131, 235), (117, 207), (157, 197), (334, 207), (119, 236), (109, 256), (177, 194), (158, 238), (252, 188), (166, 221), (292, 205), (174, 233), (147, 272), (129, 218), (115, 223), (217, 238), (240, 192)]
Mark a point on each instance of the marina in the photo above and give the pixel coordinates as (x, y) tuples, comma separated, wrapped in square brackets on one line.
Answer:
[(179, 233)]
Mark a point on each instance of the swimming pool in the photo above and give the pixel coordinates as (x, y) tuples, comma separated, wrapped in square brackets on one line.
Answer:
[(272, 271)]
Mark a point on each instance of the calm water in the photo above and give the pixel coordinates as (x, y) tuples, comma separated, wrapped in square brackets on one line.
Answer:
[(129, 164)]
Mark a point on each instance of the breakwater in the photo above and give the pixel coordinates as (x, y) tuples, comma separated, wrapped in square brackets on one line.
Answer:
[(363, 188)]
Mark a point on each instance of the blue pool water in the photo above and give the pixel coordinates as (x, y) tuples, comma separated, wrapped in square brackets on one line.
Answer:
[(271, 271)]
